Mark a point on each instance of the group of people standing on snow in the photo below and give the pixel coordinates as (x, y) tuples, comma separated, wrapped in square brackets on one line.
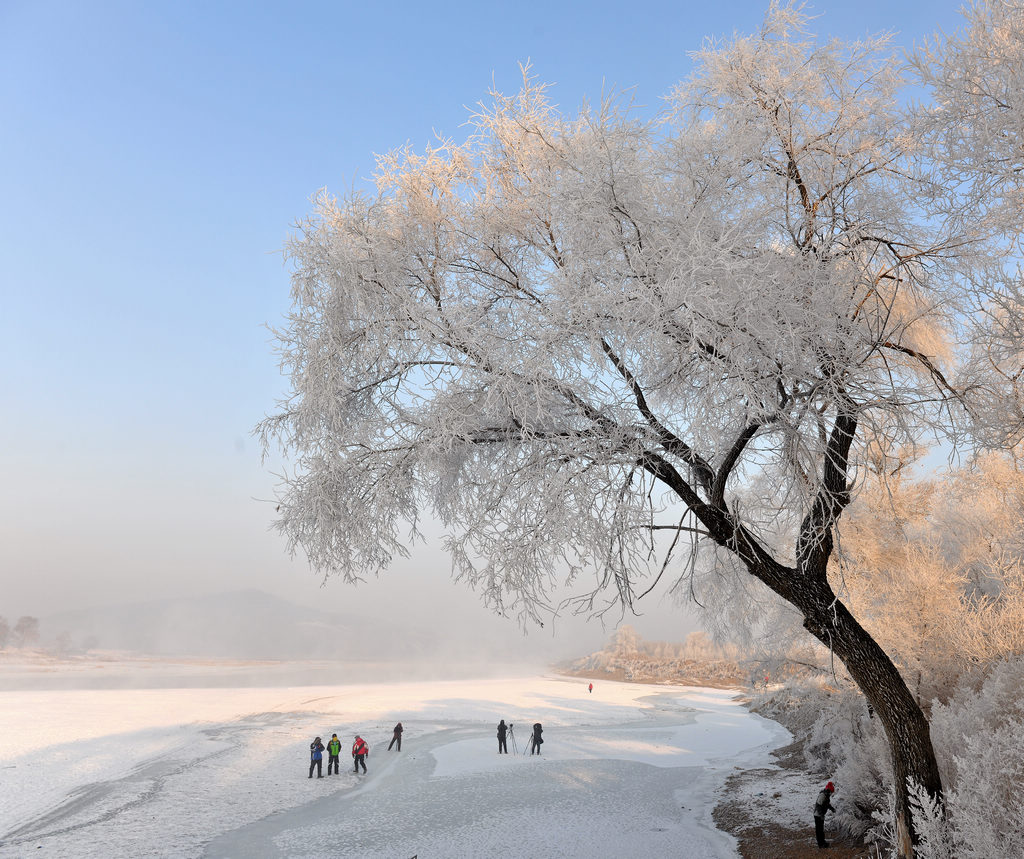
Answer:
[(360, 752)]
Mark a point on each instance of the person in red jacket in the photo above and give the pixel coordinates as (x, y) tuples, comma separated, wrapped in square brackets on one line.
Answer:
[(359, 753)]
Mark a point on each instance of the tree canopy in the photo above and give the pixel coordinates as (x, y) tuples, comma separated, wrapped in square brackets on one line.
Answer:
[(535, 334)]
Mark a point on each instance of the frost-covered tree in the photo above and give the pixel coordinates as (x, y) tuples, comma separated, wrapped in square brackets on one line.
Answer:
[(579, 343), (626, 642), (937, 569), (5, 632), (895, 577), (26, 631), (973, 129), (976, 112), (64, 644)]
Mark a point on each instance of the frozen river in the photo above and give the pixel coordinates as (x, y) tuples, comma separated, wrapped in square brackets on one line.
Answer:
[(628, 770)]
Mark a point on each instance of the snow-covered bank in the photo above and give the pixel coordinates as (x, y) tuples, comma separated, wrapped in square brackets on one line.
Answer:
[(630, 770)]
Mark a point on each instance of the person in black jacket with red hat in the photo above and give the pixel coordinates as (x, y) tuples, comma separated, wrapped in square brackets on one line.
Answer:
[(823, 805)]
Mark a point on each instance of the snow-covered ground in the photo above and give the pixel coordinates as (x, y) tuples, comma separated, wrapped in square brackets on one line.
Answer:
[(630, 770)]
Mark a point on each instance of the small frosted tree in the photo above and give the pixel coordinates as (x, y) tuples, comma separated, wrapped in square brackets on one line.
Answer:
[(579, 343), (5, 632), (26, 631), (64, 643), (626, 643)]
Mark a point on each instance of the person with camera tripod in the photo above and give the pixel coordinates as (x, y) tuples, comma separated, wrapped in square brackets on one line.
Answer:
[(503, 731), (536, 739)]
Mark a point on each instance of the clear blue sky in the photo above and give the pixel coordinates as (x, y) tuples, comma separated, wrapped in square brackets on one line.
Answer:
[(154, 156)]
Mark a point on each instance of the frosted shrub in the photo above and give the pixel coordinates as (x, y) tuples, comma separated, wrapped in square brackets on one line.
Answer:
[(796, 704), (933, 828), (978, 740)]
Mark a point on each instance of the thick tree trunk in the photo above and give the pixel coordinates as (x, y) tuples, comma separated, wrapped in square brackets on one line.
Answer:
[(906, 727), (806, 587)]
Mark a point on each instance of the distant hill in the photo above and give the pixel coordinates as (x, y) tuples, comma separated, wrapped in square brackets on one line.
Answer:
[(247, 624)]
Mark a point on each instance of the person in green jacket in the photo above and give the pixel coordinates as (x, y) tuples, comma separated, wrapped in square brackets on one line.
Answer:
[(333, 750)]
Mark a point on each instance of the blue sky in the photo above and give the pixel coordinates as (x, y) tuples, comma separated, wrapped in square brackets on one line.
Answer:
[(154, 156)]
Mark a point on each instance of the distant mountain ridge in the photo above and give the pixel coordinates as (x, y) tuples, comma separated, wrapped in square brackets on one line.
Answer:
[(245, 624)]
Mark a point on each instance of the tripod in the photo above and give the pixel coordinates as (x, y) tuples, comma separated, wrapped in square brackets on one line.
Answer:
[(512, 737)]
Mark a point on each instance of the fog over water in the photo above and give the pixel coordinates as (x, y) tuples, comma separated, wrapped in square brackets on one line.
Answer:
[(250, 625)]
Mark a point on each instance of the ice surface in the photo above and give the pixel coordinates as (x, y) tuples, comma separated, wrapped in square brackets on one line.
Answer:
[(630, 770)]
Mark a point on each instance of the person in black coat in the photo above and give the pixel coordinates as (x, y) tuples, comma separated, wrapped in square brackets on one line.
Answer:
[(822, 806), (396, 737), (536, 740), (502, 733)]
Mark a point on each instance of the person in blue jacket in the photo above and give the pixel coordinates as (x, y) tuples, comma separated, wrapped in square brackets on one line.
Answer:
[(316, 758)]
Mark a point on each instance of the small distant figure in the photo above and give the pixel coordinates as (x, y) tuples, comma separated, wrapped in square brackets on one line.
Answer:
[(822, 806), (396, 737), (590, 688), (502, 737), (360, 751), (333, 751), (536, 739), (316, 758)]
